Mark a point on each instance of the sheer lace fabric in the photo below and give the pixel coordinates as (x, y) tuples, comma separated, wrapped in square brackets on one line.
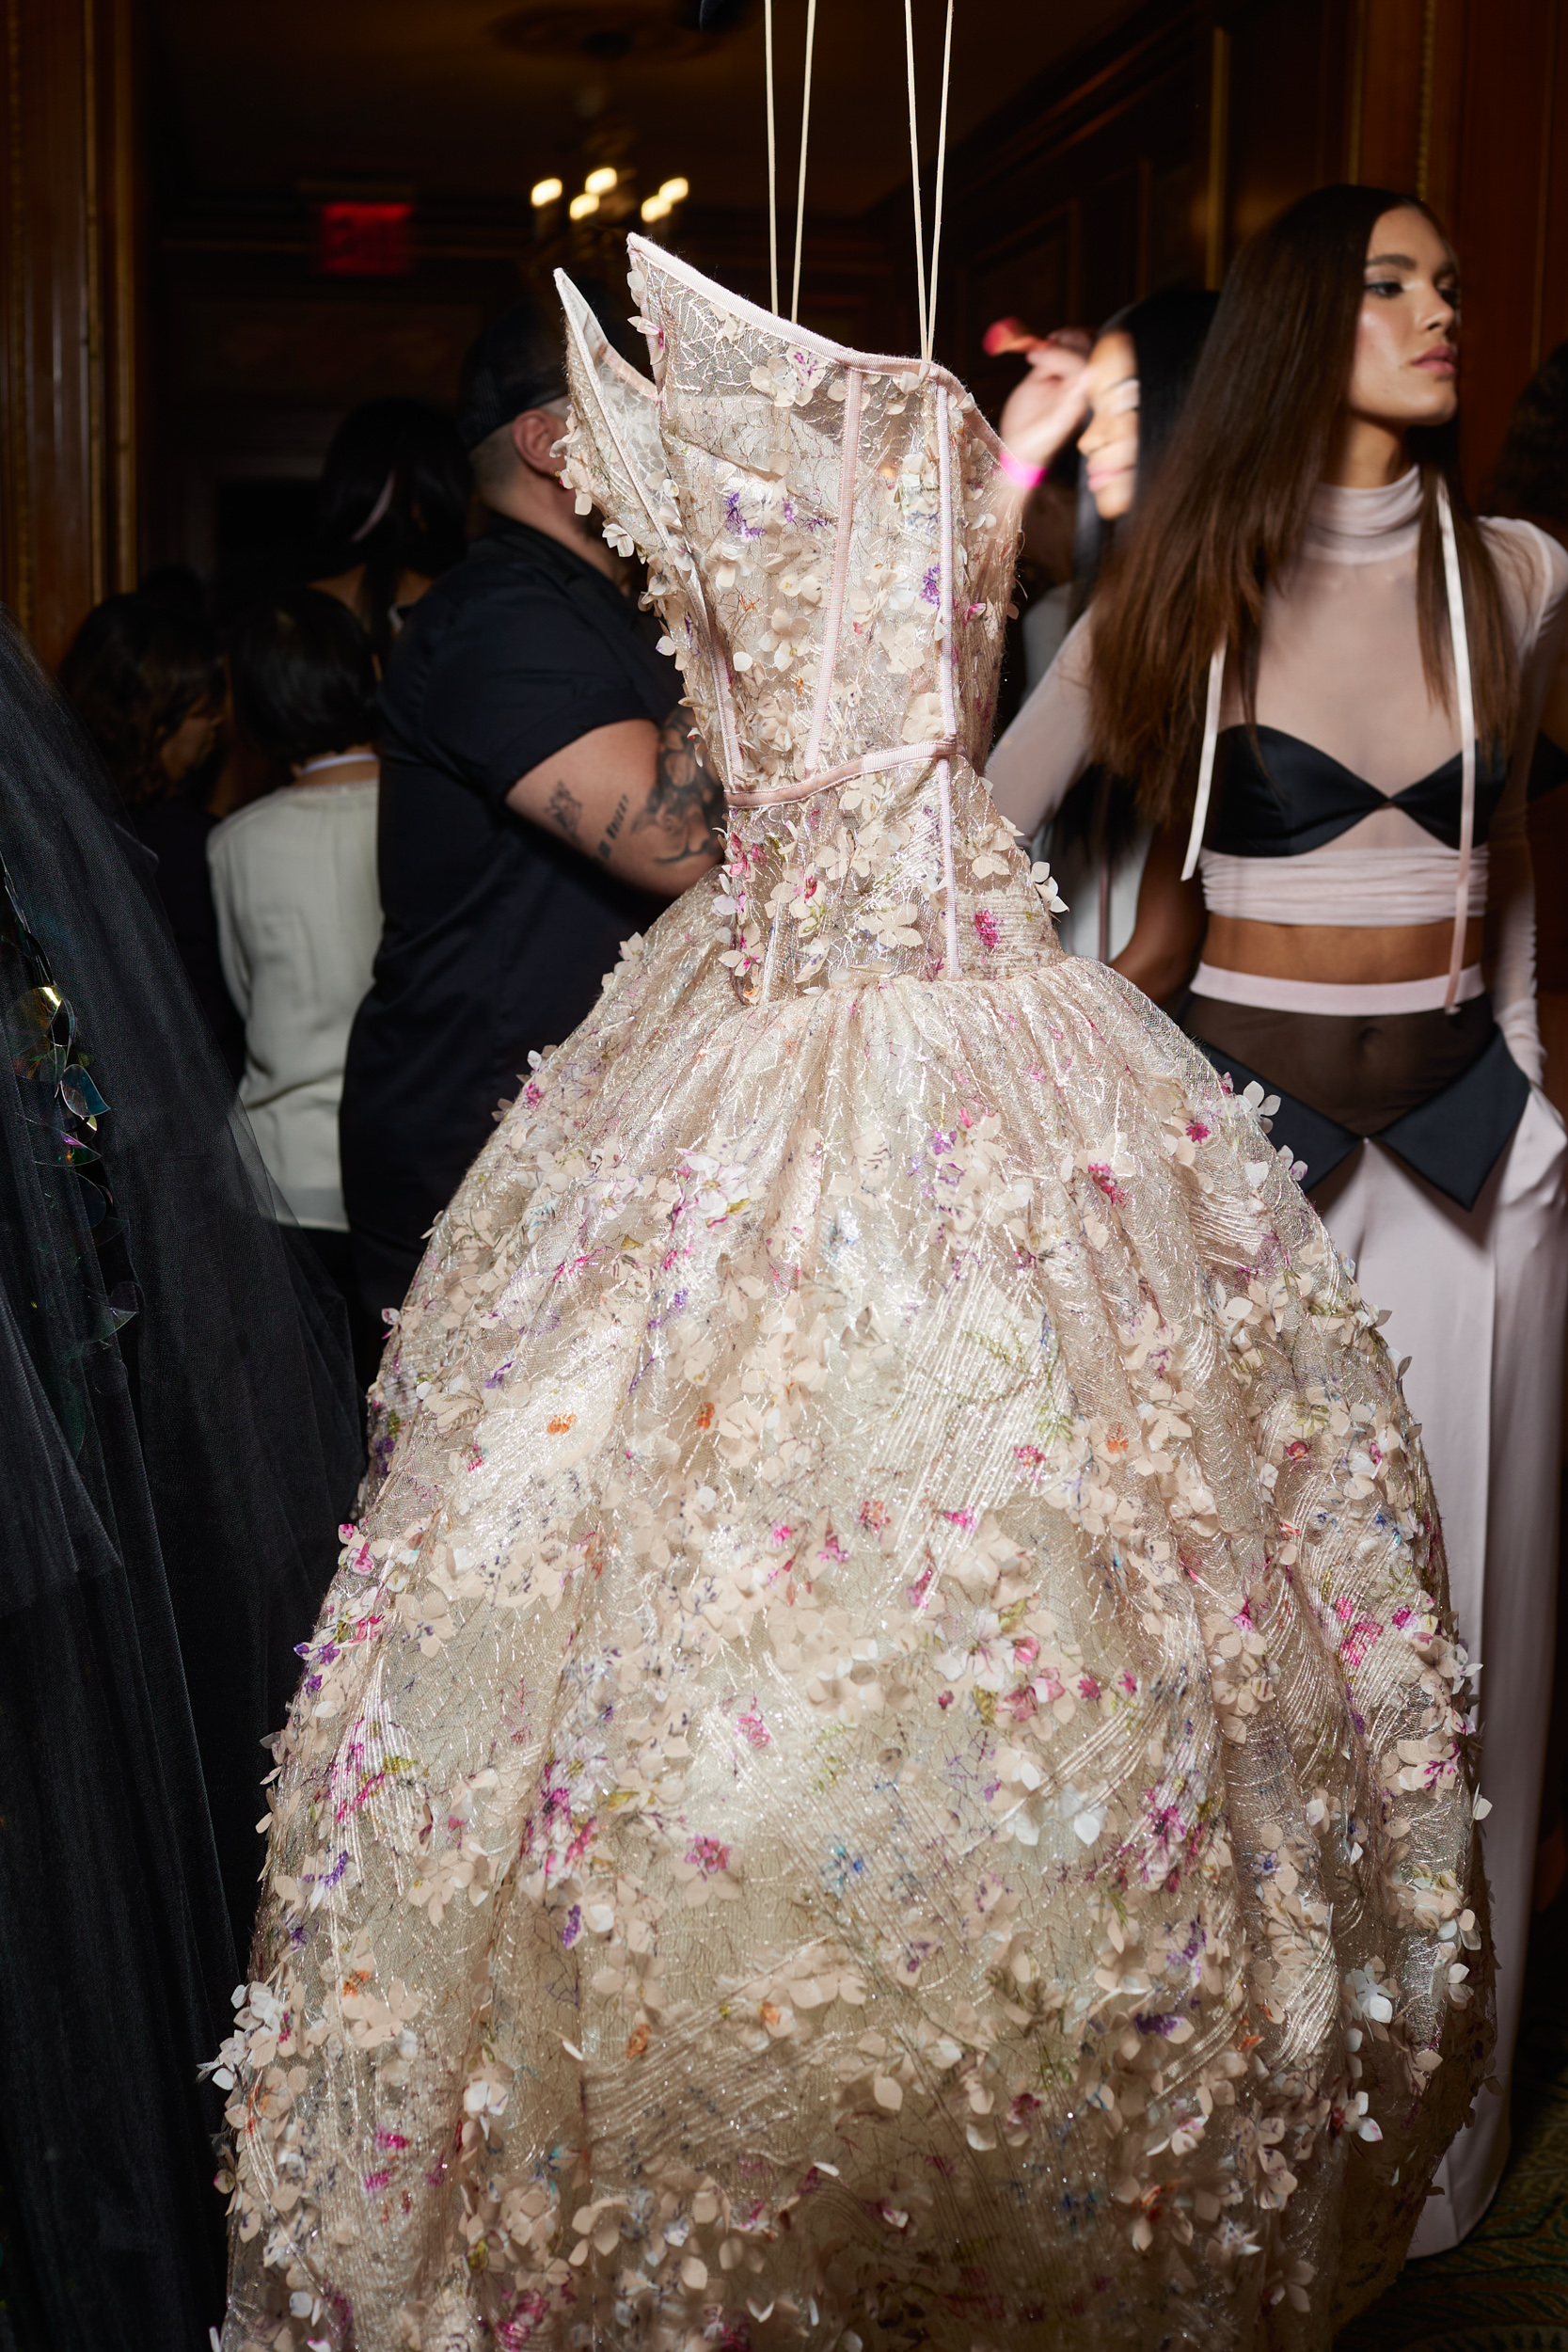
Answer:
[(887, 1765)]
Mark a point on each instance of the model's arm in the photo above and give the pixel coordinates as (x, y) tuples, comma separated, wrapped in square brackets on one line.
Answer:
[(1167, 937), (1034, 766), (1511, 886), (636, 798)]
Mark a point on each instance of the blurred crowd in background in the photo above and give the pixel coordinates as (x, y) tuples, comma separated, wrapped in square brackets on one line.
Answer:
[(240, 721)]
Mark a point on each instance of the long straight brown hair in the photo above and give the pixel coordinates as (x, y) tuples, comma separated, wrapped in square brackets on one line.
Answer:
[(1229, 508)]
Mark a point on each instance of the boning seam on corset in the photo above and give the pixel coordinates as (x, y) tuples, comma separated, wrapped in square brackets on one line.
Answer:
[(833, 619), (944, 671), (715, 668)]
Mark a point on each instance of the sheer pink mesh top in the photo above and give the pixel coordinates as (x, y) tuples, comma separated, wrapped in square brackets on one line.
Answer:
[(1340, 670)]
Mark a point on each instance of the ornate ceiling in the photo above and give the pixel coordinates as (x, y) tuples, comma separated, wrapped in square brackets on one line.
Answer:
[(476, 99)]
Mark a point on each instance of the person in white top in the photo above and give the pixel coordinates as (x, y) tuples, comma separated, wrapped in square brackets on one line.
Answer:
[(1326, 679), (298, 910)]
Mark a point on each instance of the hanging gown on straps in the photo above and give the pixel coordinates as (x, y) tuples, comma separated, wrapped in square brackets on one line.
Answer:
[(885, 1767)]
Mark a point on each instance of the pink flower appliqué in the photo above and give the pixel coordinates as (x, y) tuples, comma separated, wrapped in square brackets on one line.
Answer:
[(708, 1855), (985, 925), (1357, 1641), (751, 1726)]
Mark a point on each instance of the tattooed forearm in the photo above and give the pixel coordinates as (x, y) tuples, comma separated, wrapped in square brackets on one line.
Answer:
[(607, 842), (686, 806), (564, 810)]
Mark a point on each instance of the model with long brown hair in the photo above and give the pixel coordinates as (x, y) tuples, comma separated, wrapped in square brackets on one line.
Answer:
[(1324, 676)]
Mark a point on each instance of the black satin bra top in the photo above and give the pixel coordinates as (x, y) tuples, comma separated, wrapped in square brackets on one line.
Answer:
[(1303, 798)]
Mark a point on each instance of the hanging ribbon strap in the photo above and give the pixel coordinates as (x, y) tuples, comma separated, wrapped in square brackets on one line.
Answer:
[(1206, 765), (772, 166), (926, 294), (800, 194), (1460, 639)]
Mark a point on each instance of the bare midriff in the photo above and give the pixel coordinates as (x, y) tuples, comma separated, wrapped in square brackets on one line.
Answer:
[(1335, 951)]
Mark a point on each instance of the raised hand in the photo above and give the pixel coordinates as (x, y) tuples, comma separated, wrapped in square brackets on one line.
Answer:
[(1046, 408)]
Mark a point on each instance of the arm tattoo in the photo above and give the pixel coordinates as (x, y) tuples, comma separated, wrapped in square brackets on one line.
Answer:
[(685, 804), (607, 842), (565, 809)]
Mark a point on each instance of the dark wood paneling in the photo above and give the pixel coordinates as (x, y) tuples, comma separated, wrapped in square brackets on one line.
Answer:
[(1290, 90), (1552, 326), (70, 230), (1085, 191), (1088, 186), (1466, 104), (1500, 224), (1387, 130)]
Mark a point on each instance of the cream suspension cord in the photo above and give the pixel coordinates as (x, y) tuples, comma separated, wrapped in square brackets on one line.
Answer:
[(772, 166), (801, 197), (927, 305), (926, 298)]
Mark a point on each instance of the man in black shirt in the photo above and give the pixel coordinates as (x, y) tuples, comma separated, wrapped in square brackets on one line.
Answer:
[(540, 800)]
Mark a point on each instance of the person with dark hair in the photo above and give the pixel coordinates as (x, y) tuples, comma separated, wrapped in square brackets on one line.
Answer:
[(391, 511), (176, 588), (180, 1442), (148, 684), (1326, 676), (541, 797), (1130, 395), (298, 913)]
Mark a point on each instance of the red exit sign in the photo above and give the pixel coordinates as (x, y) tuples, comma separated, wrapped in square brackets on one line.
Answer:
[(360, 240)]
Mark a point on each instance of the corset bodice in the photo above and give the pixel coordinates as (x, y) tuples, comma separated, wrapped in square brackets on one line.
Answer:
[(829, 544), (788, 497)]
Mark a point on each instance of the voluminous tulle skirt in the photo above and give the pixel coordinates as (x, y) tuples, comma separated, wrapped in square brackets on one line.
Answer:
[(886, 1765)]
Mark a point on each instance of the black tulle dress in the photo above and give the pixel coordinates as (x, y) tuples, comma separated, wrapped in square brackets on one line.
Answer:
[(181, 1437)]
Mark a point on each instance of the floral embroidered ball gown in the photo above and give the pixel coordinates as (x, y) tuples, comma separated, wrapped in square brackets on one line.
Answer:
[(887, 1765)]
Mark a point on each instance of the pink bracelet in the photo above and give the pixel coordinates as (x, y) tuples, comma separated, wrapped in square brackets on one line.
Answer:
[(1026, 476)]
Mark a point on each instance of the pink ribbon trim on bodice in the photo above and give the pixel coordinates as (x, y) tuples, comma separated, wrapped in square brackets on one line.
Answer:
[(868, 763)]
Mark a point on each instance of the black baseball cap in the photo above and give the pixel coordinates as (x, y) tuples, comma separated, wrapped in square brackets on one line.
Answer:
[(517, 363)]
